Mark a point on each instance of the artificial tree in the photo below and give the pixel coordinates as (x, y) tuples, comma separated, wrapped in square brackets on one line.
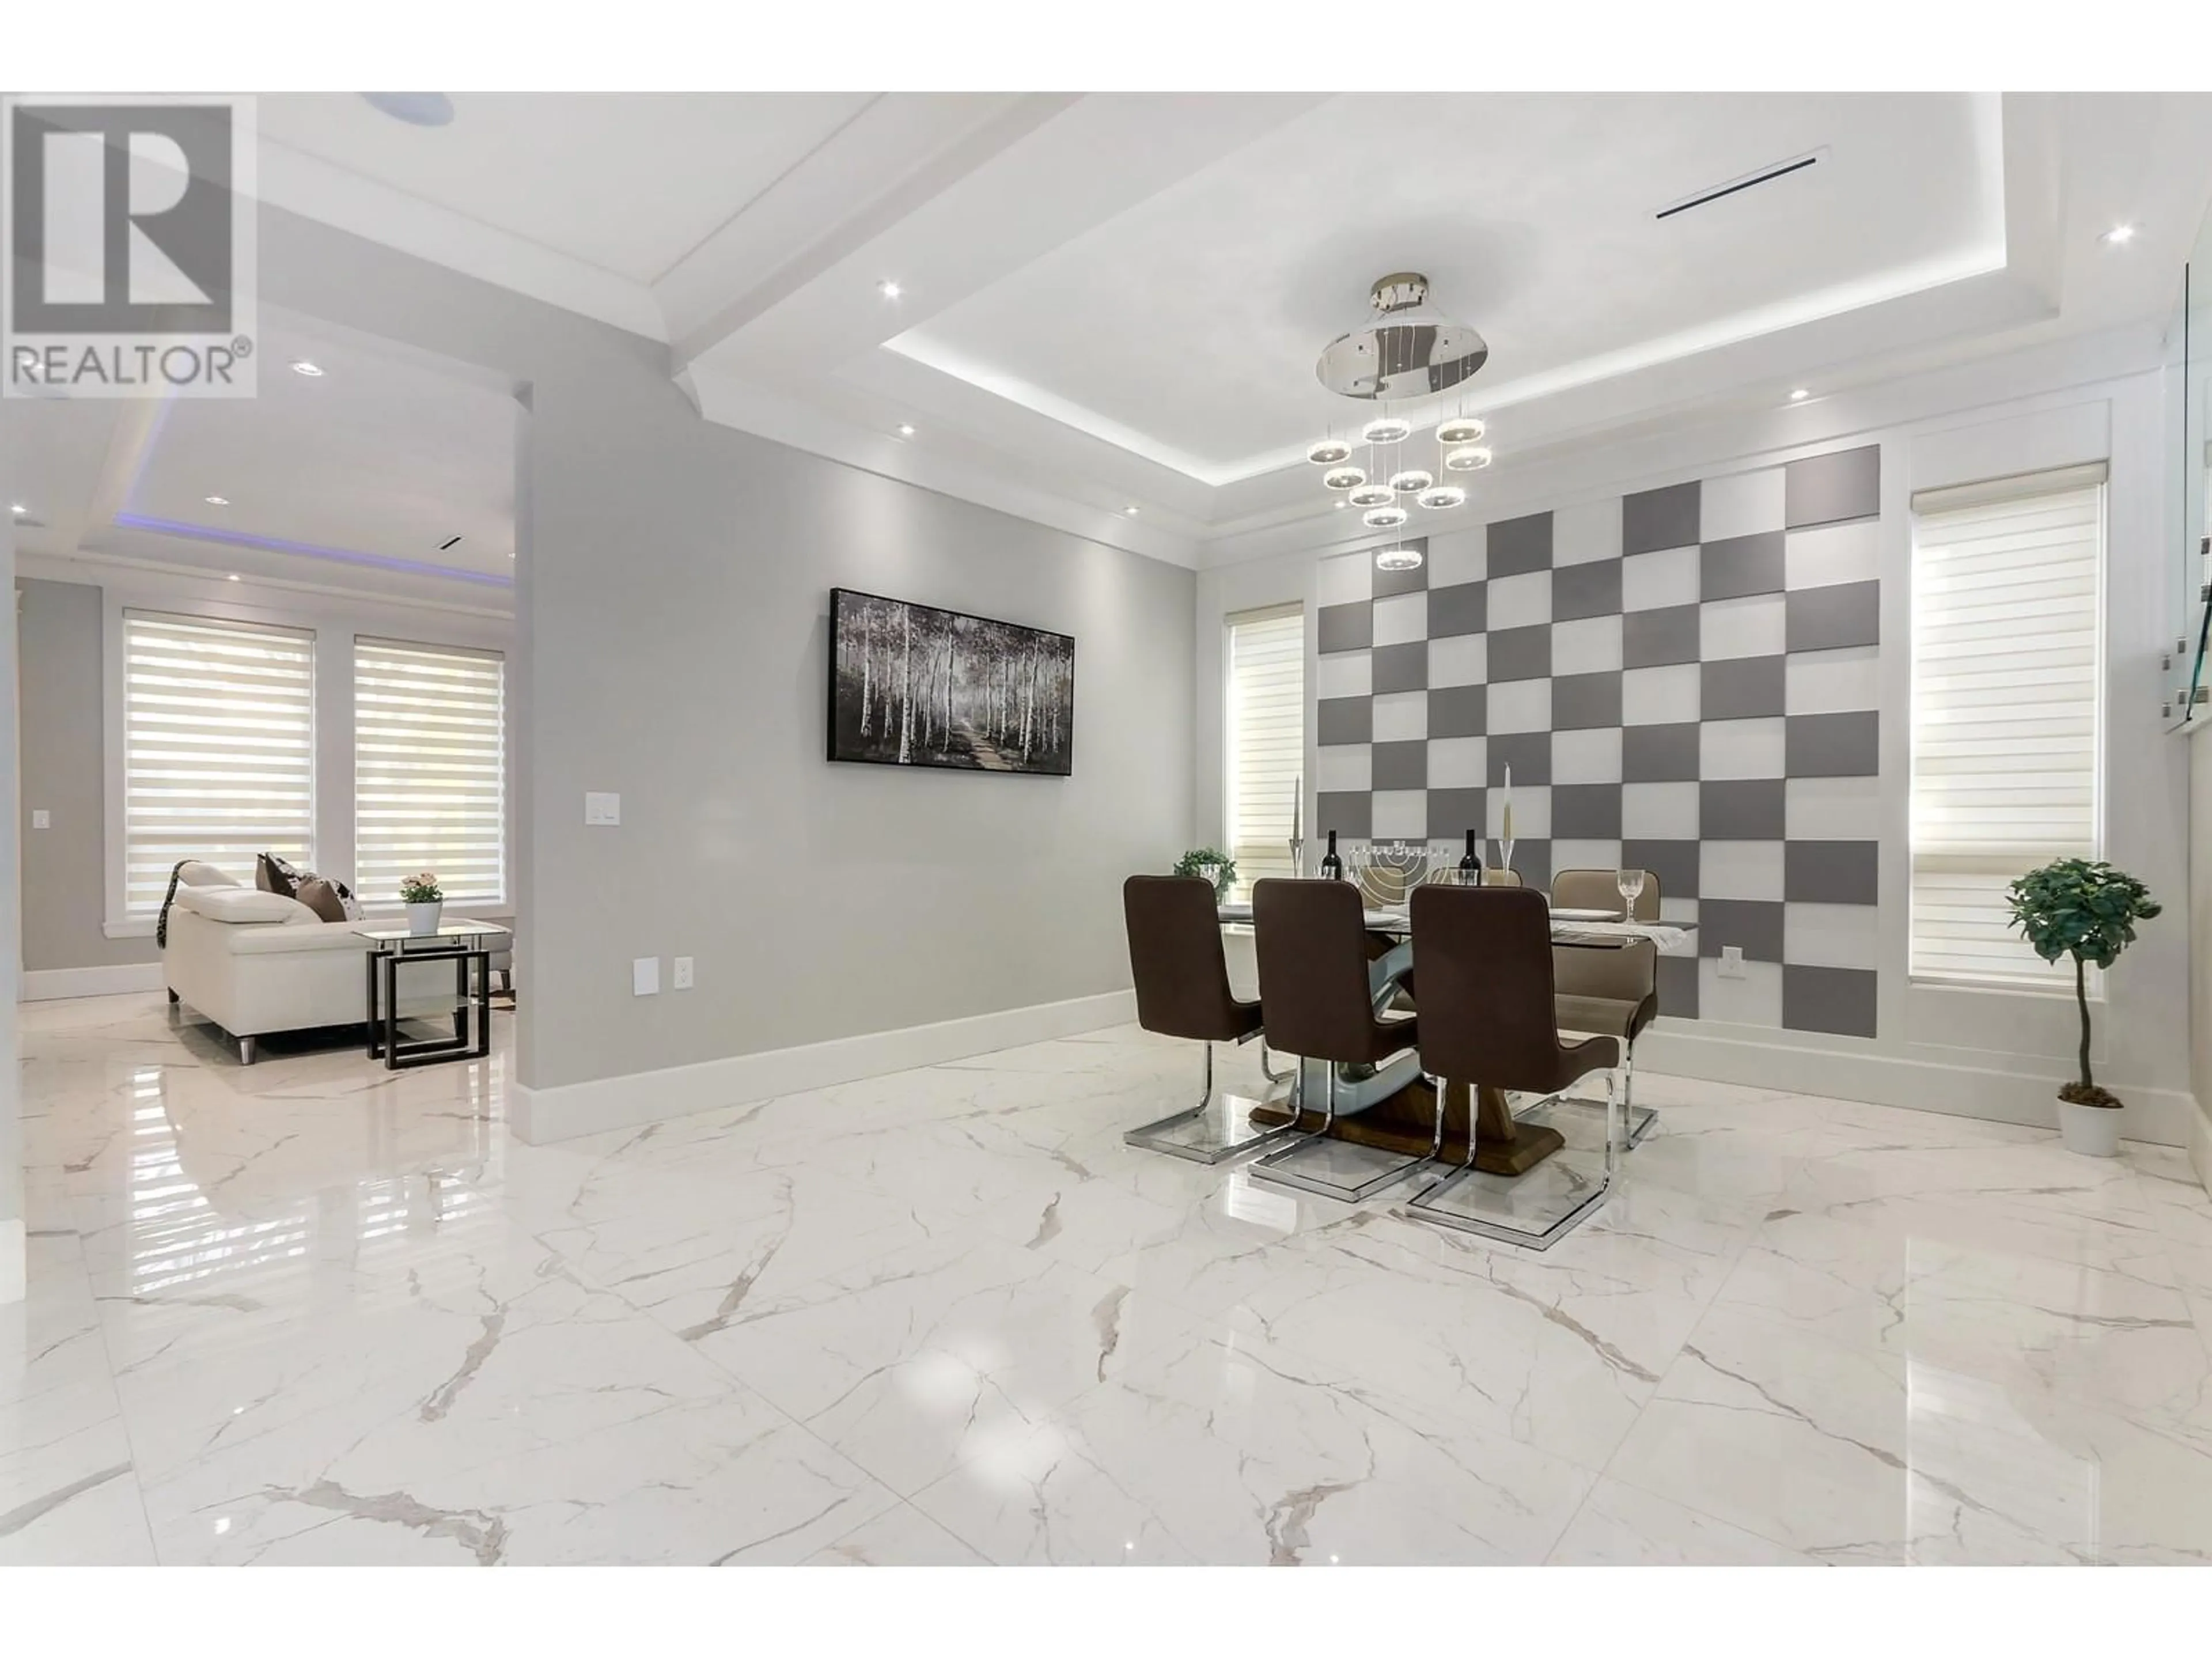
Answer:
[(2073, 907)]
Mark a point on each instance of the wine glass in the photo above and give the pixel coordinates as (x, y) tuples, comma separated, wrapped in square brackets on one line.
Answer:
[(1631, 883)]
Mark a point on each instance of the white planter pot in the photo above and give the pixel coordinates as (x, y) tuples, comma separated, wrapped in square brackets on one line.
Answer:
[(2092, 1131), (423, 919)]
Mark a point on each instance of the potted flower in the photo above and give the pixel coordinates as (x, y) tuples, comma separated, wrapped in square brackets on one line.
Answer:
[(1216, 866), (425, 899), (2072, 907)]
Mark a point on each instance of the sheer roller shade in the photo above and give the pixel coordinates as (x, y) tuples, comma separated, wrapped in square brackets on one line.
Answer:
[(2007, 578), (430, 770), (1267, 738), (219, 745)]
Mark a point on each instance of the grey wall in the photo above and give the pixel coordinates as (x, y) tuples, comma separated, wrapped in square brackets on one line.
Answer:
[(672, 614), (11, 1137), (63, 758)]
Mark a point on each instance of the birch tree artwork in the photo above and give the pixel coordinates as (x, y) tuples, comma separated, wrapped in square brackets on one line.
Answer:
[(911, 685)]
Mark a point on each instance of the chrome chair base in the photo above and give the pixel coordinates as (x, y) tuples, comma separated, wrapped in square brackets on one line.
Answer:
[(1327, 1167), (1639, 1119), (1537, 1209), (1217, 1129)]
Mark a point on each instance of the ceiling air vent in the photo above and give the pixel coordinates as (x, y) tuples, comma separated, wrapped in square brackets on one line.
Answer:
[(1765, 175), (449, 545)]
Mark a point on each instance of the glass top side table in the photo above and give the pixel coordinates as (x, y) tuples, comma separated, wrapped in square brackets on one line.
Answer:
[(466, 944)]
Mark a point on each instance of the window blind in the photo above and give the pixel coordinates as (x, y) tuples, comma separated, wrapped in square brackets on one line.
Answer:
[(2006, 579), (1266, 739), (219, 742), (430, 770)]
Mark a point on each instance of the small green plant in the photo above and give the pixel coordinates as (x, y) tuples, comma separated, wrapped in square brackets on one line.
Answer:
[(421, 888), (1208, 861), (2072, 907)]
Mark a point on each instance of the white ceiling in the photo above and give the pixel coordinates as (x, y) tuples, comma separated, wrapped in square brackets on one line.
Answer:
[(352, 479), (1191, 322), (1115, 300)]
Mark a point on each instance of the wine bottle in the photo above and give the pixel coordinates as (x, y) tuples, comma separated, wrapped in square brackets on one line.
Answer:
[(1332, 867), (1471, 860)]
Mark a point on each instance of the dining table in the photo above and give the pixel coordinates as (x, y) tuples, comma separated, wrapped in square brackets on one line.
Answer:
[(1393, 1106)]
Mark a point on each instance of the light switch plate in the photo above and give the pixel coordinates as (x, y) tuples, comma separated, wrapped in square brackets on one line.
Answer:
[(682, 977), (602, 808), (1731, 962), (41, 818), (645, 977)]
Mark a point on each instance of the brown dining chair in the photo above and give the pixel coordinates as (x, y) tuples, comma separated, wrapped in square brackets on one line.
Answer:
[(1612, 993), (1489, 1020), (1322, 1003), (1182, 977)]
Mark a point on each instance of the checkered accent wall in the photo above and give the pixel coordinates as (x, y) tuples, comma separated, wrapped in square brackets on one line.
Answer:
[(1684, 680)]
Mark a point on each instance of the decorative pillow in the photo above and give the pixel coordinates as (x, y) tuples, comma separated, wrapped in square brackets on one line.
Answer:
[(276, 874), (195, 872), (242, 904), (321, 896)]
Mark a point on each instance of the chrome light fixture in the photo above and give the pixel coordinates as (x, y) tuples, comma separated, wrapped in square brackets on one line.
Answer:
[(1398, 558), (1412, 481), (1372, 494), (1442, 496), (1460, 429), (1345, 477), (1328, 452), (1468, 457), (1387, 429), (1406, 349), (1383, 518)]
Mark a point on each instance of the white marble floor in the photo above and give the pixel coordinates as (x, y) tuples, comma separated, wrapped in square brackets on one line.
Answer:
[(314, 1312)]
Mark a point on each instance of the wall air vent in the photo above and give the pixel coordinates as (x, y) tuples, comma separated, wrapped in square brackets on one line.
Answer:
[(449, 545), (1765, 175)]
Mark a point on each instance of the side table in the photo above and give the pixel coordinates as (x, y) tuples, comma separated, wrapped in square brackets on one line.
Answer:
[(465, 945)]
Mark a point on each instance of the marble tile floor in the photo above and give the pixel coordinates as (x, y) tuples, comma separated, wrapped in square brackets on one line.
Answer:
[(313, 1311)]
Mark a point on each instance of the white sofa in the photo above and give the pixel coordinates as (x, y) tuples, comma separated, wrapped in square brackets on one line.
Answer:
[(255, 963)]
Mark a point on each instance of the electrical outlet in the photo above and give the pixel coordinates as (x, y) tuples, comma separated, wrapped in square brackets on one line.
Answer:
[(645, 977), (41, 818), (682, 980), (1731, 962), (602, 809)]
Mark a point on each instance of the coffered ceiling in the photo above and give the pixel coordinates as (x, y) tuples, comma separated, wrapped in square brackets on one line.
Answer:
[(1083, 304)]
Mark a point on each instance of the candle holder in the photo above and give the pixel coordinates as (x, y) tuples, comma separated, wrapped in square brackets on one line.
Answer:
[(1505, 854), (1297, 855)]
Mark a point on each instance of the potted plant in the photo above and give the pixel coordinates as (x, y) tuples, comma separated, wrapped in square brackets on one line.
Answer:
[(2072, 907), (1217, 868), (425, 899)]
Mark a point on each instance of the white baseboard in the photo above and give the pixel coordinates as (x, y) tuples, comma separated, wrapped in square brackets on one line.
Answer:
[(15, 1270), (1737, 1055), (540, 1115), (52, 984), (2200, 1144)]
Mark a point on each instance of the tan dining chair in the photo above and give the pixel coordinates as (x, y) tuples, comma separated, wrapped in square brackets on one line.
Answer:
[(1612, 993), (1180, 973), (1497, 875), (1313, 949), (1489, 1020)]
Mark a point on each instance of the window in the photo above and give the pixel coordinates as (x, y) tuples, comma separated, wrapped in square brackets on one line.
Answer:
[(430, 770), (1266, 739), (2007, 579), (219, 742)]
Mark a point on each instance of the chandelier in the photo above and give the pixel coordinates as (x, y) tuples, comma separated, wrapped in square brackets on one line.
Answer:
[(1406, 349)]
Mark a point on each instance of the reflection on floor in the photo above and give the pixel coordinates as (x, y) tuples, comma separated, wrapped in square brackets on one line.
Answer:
[(317, 1312)]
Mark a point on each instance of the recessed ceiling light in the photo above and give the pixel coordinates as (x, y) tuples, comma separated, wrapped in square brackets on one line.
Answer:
[(17, 508), (905, 431), (303, 367), (890, 290), (1798, 394), (217, 501), (233, 575), (1131, 511), (2119, 236)]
